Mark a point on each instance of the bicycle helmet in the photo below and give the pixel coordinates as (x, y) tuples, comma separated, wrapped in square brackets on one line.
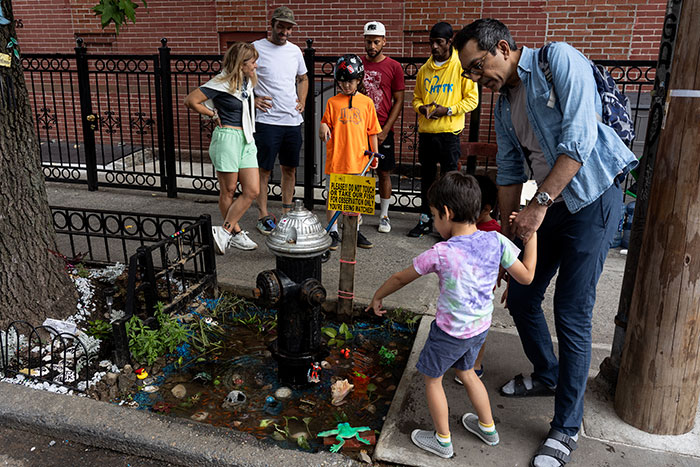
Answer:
[(349, 67)]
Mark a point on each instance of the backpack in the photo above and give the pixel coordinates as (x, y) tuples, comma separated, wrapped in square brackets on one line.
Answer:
[(616, 106)]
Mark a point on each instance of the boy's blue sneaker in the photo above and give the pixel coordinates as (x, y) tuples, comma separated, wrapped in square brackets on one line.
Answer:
[(266, 225), (427, 441)]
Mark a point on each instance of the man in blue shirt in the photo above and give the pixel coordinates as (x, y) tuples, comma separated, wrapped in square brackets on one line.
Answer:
[(554, 132)]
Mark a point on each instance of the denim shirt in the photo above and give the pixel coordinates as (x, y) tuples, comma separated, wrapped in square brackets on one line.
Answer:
[(570, 126)]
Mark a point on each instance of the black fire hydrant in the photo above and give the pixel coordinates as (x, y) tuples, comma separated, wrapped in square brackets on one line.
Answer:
[(295, 289)]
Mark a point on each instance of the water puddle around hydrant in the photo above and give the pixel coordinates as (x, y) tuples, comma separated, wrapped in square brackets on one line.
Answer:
[(239, 389)]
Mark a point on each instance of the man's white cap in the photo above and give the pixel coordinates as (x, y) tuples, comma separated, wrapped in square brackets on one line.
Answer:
[(375, 28)]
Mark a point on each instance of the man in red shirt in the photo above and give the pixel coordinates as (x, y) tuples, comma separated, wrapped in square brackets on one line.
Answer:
[(384, 83)]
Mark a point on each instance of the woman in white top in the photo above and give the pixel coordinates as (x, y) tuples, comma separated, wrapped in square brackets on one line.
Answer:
[(228, 99)]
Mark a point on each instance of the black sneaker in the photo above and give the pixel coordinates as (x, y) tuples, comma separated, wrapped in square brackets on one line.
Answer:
[(421, 229), (362, 241), (335, 239)]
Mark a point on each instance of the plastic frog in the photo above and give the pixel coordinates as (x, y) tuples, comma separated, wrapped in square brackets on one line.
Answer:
[(344, 431)]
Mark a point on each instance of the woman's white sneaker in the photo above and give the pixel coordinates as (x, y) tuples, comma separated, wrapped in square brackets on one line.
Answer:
[(221, 239), (242, 241)]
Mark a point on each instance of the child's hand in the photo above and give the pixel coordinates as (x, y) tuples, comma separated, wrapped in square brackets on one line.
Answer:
[(512, 217), (376, 306), (324, 132)]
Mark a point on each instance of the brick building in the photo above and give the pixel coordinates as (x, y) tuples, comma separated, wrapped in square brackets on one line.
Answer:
[(616, 29)]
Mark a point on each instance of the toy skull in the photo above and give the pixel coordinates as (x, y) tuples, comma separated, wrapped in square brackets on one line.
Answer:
[(234, 398)]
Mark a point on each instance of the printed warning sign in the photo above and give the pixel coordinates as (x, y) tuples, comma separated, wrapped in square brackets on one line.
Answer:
[(352, 193)]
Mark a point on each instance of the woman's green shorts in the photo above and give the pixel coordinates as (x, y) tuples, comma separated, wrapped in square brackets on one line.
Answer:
[(229, 151)]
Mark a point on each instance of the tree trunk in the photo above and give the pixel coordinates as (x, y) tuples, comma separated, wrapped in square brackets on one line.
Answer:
[(33, 282), (658, 385)]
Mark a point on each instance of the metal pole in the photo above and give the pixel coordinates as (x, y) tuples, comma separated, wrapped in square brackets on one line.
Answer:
[(309, 127), (87, 118), (167, 99)]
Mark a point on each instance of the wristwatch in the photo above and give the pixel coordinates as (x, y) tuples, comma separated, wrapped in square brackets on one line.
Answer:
[(543, 198), (449, 111)]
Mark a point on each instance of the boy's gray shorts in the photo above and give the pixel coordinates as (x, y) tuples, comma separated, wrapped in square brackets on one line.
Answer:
[(442, 352)]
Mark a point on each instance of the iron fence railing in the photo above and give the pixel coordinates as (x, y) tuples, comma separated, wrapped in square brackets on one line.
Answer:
[(120, 120), (170, 258)]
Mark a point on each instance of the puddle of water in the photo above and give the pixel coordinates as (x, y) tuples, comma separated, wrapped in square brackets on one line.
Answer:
[(246, 365)]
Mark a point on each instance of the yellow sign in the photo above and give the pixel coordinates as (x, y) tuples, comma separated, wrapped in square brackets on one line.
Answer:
[(352, 193), (5, 60)]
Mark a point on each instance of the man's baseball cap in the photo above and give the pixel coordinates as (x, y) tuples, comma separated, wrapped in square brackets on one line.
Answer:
[(285, 14), (375, 28)]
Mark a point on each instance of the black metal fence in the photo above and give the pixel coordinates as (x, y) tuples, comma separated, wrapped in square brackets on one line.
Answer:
[(170, 259), (118, 120), (43, 354)]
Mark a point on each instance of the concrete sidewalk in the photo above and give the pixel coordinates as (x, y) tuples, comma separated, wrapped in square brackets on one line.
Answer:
[(522, 423)]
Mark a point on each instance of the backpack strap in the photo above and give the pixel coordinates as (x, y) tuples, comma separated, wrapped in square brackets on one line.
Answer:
[(543, 62)]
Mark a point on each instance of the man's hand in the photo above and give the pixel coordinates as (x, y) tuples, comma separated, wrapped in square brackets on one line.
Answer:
[(424, 109), (324, 132), (263, 103), (527, 221), (439, 111), (382, 135), (300, 106)]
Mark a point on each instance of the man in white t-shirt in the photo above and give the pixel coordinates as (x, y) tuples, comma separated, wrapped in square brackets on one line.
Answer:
[(280, 96)]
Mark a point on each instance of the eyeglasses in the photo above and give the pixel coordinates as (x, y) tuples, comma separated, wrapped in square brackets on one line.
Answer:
[(477, 68)]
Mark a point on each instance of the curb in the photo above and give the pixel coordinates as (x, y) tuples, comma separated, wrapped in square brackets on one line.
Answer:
[(145, 434)]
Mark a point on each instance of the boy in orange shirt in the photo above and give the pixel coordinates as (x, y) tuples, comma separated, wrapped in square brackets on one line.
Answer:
[(349, 120)]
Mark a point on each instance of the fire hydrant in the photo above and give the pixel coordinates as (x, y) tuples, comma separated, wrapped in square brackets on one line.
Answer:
[(295, 289)]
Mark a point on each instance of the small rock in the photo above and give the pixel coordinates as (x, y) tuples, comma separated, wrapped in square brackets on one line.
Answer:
[(283, 393), (378, 379), (371, 409), (127, 370), (325, 365), (267, 354), (150, 388), (299, 434), (113, 392), (179, 391), (111, 378), (391, 388), (199, 416), (125, 383), (52, 443), (267, 387), (237, 423), (365, 457), (103, 395)]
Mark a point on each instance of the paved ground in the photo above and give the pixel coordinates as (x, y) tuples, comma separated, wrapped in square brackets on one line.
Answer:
[(522, 423)]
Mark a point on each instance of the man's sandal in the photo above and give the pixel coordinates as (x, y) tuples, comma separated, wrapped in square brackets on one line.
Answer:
[(538, 389), (557, 454)]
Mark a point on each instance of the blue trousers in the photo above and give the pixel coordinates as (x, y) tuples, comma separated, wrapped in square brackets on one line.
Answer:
[(576, 245)]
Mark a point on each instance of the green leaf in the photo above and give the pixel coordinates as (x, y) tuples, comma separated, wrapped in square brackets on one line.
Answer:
[(332, 342), (265, 422), (343, 329), (371, 387), (348, 335), (301, 441), (277, 436), (128, 7), (330, 332)]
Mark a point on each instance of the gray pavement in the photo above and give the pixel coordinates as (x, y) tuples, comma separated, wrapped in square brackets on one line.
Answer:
[(522, 423)]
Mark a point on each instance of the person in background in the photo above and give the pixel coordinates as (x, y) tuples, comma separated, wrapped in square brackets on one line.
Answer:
[(280, 100), (441, 99), (384, 84), (348, 123), (228, 100)]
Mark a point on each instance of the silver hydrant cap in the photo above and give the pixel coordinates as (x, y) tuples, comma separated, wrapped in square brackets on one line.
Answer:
[(298, 234)]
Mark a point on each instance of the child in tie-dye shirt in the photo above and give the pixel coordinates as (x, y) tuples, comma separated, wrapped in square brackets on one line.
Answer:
[(467, 265)]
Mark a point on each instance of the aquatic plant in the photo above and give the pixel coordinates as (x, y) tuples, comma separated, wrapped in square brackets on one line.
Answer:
[(338, 337), (148, 344)]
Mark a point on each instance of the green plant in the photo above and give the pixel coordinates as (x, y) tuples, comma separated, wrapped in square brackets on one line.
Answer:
[(386, 356), (340, 337), (407, 317), (116, 11), (82, 271), (99, 329), (148, 344)]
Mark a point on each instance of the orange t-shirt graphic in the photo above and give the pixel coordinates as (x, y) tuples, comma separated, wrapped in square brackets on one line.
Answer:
[(350, 128)]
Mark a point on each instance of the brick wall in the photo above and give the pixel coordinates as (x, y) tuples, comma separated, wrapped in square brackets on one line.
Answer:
[(622, 29)]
